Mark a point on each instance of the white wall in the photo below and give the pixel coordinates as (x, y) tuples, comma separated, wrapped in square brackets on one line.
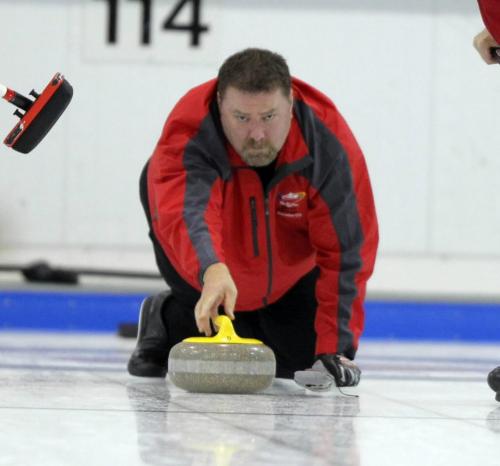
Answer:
[(424, 108)]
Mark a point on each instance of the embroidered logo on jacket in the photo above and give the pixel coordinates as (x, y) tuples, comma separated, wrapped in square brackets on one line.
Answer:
[(289, 204)]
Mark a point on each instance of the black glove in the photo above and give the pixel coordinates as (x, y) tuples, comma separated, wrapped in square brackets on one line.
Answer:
[(328, 369), (344, 371)]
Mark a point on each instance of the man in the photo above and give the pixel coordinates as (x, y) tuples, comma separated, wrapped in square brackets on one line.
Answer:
[(259, 202), (484, 42), (489, 38)]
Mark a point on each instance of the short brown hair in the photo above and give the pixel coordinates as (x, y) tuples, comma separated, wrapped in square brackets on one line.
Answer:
[(255, 70)]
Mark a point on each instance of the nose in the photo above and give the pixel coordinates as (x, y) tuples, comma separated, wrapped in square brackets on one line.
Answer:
[(257, 132)]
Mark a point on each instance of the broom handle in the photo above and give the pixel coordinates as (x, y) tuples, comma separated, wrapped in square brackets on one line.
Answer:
[(14, 98)]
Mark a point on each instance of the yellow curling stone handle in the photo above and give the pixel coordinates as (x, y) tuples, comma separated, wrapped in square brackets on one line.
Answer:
[(226, 334)]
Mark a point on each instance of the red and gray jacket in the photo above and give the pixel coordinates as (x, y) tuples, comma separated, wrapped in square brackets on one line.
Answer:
[(490, 11), (209, 206)]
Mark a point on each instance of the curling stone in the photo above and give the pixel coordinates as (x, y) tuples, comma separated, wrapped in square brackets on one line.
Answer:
[(494, 381), (224, 363)]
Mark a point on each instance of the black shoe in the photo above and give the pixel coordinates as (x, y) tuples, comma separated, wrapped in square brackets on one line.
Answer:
[(150, 356), (494, 381)]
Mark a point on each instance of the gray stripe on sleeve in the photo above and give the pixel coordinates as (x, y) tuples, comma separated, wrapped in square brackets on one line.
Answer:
[(205, 160), (330, 174)]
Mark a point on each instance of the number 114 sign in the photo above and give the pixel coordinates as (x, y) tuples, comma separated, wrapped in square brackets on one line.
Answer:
[(149, 31)]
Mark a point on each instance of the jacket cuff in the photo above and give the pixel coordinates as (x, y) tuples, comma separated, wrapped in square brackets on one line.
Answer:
[(325, 344)]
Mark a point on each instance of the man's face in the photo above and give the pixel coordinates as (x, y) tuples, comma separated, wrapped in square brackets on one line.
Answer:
[(256, 124)]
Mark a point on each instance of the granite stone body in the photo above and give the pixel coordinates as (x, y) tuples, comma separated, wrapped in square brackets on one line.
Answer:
[(221, 367)]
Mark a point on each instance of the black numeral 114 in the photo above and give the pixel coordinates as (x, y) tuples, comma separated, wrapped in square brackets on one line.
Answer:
[(194, 26)]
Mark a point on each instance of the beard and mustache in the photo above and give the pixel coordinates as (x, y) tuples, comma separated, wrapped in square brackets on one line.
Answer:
[(258, 154)]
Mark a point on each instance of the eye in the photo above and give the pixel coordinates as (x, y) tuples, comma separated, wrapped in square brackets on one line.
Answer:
[(241, 118), (269, 116)]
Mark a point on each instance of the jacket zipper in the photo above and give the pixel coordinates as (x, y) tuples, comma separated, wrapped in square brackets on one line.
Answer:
[(269, 249), (269, 186), (253, 211)]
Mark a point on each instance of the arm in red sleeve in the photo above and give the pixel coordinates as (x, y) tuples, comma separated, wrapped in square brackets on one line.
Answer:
[(185, 190), (490, 11), (344, 232)]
